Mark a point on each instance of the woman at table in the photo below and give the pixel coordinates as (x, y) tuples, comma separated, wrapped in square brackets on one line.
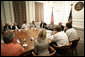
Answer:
[(41, 44)]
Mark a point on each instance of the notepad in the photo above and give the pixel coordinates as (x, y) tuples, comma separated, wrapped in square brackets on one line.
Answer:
[(18, 41), (25, 44)]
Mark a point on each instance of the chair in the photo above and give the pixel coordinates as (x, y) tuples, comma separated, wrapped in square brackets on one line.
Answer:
[(27, 53), (51, 50), (62, 50), (74, 45)]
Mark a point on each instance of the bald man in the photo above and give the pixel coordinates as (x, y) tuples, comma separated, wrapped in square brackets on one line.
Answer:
[(43, 24)]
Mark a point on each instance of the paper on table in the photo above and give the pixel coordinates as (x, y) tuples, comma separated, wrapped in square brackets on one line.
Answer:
[(18, 41), (24, 44)]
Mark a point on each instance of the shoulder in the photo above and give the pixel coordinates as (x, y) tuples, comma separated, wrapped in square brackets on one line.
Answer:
[(13, 26), (2, 45), (70, 30), (18, 45), (61, 33)]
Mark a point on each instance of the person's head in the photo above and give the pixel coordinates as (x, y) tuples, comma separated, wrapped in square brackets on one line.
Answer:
[(15, 24), (33, 22), (68, 25), (42, 35), (59, 23), (8, 36), (58, 29), (25, 22), (7, 24)]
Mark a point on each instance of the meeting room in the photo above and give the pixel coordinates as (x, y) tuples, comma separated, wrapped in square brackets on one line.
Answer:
[(42, 28)]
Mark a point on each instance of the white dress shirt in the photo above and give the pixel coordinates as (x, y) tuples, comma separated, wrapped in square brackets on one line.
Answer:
[(25, 26), (33, 25), (60, 38), (16, 27), (72, 34)]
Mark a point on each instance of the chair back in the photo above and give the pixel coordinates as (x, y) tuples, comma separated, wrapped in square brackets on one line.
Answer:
[(63, 47), (75, 42), (66, 46), (61, 51), (27, 53), (51, 50)]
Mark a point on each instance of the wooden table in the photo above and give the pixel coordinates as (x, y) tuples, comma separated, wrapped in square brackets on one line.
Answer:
[(27, 34)]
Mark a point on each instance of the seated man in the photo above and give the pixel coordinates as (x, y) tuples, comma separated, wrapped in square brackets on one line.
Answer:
[(60, 24), (59, 37), (15, 26), (33, 25), (25, 25), (71, 32), (10, 48), (43, 25), (7, 27)]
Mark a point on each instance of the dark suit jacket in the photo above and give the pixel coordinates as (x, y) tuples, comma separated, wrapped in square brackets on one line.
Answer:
[(62, 27), (5, 27), (13, 27), (44, 25)]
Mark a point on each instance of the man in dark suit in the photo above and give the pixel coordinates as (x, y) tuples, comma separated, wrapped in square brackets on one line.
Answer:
[(15, 26), (43, 25), (7, 26)]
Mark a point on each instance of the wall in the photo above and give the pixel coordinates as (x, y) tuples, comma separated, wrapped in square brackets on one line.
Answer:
[(78, 17), (61, 11), (7, 14), (78, 21), (30, 11)]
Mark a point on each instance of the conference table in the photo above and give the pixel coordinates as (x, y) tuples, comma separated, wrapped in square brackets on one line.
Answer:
[(27, 35)]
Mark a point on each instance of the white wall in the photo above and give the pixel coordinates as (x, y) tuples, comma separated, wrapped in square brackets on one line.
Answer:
[(61, 10), (30, 11), (61, 13), (7, 14), (78, 21), (78, 17)]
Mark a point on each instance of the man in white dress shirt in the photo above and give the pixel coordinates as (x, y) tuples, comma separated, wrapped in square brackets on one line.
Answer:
[(59, 37), (25, 26), (71, 32)]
